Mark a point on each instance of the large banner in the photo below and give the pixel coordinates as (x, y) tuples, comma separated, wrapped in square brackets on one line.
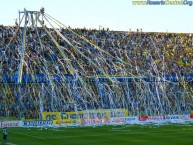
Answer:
[(88, 114), (51, 116), (39, 78), (105, 113), (71, 115)]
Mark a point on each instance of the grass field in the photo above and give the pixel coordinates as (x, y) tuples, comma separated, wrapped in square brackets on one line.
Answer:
[(104, 135)]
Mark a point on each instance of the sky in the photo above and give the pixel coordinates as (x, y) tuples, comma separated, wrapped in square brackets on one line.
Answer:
[(113, 14)]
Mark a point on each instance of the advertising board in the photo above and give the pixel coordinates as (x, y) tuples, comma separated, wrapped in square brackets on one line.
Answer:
[(95, 121), (117, 120), (67, 122), (11, 124), (143, 118), (131, 120), (36, 123), (155, 118)]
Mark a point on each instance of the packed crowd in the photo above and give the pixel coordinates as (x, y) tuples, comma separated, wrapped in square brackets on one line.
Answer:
[(113, 53), (171, 53)]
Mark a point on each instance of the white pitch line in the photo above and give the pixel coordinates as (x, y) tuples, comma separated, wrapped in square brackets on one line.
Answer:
[(28, 135)]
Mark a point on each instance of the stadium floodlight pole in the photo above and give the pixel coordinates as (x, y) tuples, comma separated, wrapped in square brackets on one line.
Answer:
[(22, 50), (20, 72), (27, 15), (19, 15)]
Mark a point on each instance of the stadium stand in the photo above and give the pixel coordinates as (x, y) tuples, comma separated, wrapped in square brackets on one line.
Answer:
[(147, 53)]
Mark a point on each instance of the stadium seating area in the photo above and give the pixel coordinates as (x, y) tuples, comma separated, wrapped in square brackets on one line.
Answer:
[(145, 53)]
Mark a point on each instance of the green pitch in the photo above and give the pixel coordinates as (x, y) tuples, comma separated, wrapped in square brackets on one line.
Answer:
[(104, 135)]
